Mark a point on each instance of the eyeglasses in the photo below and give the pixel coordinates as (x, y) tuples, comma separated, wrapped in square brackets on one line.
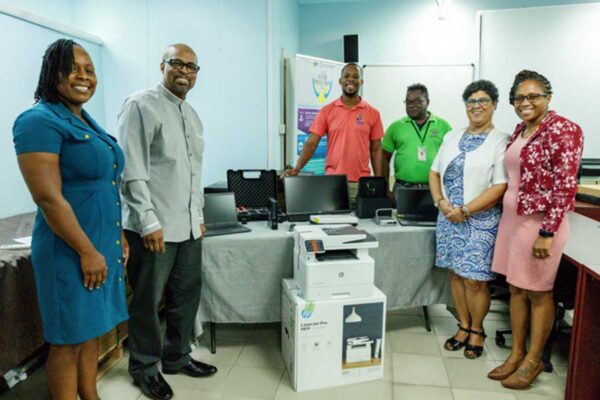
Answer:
[(416, 102), (178, 65), (531, 97), (483, 102)]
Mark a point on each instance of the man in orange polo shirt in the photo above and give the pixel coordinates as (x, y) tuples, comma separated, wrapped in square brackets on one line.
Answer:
[(354, 131)]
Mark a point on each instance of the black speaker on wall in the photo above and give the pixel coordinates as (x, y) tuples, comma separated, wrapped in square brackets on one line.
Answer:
[(350, 48)]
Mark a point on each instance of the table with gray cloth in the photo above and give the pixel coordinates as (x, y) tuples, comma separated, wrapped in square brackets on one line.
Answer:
[(21, 331), (242, 273)]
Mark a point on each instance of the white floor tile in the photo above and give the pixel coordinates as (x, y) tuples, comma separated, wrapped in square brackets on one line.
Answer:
[(406, 324), (415, 392), (227, 353), (285, 391), (376, 390), (379, 390), (419, 370), (439, 310), (533, 396), (117, 384), (443, 326), (388, 369), (549, 384), (261, 355), (250, 383), (410, 343), (472, 375), (462, 394)]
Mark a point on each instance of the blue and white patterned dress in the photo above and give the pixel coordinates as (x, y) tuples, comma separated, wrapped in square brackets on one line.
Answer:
[(467, 247)]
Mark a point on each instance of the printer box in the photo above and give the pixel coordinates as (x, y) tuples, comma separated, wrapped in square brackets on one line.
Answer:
[(330, 343)]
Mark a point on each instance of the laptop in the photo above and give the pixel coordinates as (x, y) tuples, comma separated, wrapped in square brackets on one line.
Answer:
[(307, 195), (415, 207), (220, 216)]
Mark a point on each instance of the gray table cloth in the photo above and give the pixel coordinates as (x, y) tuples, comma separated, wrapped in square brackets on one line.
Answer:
[(242, 273)]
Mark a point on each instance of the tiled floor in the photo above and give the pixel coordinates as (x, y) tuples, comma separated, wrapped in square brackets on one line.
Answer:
[(416, 367)]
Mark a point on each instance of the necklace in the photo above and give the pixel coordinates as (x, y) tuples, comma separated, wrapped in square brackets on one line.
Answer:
[(528, 132), (485, 132)]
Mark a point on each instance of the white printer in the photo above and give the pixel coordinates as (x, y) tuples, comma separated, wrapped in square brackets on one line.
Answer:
[(333, 262)]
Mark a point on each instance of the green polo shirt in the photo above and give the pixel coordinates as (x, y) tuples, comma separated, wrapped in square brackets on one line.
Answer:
[(404, 138)]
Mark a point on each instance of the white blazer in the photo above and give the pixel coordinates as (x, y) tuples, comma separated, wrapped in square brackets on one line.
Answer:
[(484, 166)]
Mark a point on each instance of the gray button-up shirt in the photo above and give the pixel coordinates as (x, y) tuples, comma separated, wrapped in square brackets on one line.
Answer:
[(162, 137)]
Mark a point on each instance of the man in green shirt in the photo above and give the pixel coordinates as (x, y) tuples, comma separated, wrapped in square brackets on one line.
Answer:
[(415, 140)]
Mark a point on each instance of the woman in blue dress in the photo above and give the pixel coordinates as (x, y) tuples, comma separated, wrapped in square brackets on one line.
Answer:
[(72, 167), (467, 180)]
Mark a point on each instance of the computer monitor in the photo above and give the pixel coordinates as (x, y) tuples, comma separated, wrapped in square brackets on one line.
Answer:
[(316, 194), (219, 208), (415, 201)]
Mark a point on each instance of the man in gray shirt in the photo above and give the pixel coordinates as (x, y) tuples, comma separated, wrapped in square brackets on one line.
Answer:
[(162, 137)]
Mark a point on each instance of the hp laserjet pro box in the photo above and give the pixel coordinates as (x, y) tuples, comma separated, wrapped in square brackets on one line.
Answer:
[(330, 343)]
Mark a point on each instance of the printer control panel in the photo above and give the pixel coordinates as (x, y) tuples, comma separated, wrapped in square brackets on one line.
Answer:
[(314, 246)]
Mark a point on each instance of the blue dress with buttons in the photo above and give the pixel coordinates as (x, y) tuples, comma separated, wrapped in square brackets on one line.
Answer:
[(91, 162), (467, 247)]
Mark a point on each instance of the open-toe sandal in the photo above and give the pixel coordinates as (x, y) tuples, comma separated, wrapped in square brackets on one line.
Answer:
[(453, 344), (471, 351)]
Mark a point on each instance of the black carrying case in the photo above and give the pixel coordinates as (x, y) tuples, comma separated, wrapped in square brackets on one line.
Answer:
[(252, 187)]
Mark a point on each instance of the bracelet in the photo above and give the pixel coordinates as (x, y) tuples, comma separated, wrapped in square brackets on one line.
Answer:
[(546, 234), (465, 211), (436, 203)]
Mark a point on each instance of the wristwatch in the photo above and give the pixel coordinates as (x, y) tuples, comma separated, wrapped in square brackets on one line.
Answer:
[(545, 234)]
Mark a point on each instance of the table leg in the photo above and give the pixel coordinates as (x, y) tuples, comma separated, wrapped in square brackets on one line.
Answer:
[(213, 337), (427, 320)]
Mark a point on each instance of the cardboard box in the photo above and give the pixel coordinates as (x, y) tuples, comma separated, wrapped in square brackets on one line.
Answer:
[(330, 343)]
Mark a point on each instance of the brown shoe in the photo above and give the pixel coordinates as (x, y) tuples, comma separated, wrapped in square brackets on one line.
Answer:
[(526, 373), (505, 370)]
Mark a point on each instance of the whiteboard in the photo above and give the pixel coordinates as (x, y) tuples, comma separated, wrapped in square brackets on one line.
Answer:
[(385, 88), (562, 43), (24, 44)]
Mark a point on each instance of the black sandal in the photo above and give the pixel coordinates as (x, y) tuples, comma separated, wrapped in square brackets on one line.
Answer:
[(453, 344), (471, 351)]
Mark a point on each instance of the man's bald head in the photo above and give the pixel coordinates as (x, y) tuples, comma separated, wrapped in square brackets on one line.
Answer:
[(171, 49), (179, 68)]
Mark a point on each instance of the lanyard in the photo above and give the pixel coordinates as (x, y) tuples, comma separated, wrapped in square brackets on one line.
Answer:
[(414, 125)]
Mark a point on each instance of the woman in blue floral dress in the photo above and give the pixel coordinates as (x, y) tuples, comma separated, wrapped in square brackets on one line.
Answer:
[(467, 180)]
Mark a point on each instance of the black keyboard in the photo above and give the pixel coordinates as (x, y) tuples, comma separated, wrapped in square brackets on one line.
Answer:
[(258, 214)]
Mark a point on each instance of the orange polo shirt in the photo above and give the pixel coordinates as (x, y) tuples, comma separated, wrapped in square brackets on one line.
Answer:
[(349, 134)]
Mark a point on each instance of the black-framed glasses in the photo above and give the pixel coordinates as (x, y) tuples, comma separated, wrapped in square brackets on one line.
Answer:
[(531, 97), (483, 102), (178, 65)]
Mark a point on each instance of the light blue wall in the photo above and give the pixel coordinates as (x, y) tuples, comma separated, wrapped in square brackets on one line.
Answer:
[(230, 39), (285, 44), (23, 45), (400, 31)]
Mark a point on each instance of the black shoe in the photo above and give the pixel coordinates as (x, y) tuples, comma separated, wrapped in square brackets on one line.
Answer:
[(453, 344), (195, 369), (155, 387)]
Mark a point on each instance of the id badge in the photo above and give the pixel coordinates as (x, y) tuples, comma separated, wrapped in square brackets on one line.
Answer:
[(421, 153)]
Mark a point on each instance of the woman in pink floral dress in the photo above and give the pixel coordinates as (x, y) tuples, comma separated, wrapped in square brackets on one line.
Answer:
[(541, 160)]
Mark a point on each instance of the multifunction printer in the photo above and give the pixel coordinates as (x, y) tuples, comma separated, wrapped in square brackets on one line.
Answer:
[(333, 262)]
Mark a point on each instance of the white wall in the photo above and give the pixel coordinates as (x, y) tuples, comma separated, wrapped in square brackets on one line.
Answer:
[(400, 31), (403, 32)]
